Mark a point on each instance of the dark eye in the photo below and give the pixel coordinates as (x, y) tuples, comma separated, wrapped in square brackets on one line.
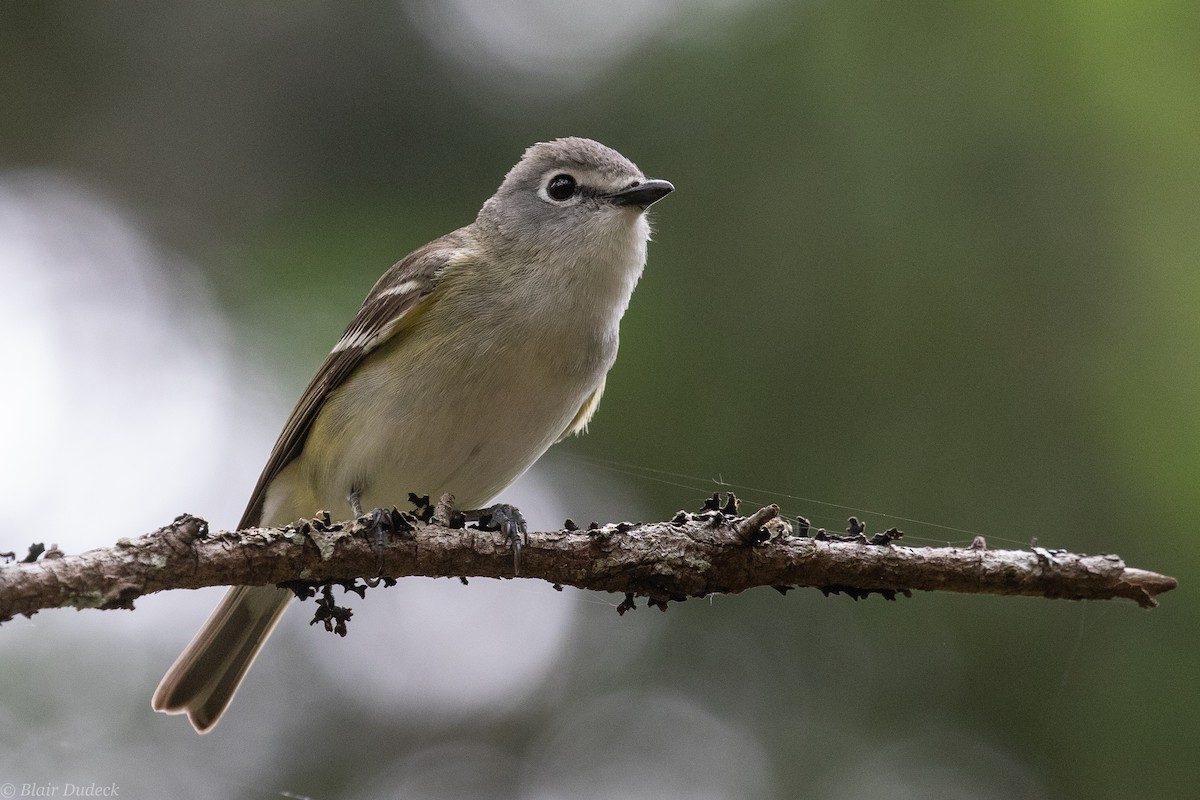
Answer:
[(561, 187)]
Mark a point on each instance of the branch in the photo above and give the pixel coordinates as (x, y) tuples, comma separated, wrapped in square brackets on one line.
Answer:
[(692, 555)]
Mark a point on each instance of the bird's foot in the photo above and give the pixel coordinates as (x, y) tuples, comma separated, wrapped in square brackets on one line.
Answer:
[(381, 523), (509, 521)]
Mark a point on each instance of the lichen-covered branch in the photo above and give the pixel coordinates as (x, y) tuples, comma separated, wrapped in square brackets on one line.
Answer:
[(691, 555)]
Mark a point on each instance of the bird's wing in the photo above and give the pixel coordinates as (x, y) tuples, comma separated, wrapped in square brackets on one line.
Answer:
[(386, 311)]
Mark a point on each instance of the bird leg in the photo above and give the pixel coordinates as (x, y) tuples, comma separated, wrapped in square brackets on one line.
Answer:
[(380, 521), (509, 521)]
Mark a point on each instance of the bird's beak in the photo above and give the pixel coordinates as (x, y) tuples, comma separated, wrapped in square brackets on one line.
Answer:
[(641, 193)]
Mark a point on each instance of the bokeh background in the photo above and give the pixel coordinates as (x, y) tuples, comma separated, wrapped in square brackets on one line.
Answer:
[(926, 261)]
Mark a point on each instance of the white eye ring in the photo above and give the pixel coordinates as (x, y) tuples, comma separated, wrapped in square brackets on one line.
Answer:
[(559, 187)]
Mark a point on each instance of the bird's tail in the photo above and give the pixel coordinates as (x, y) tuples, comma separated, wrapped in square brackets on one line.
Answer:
[(204, 678)]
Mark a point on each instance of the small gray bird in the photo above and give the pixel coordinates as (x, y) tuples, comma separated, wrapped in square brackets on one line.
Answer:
[(467, 360)]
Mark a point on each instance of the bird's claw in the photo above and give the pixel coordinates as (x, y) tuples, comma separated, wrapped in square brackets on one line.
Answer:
[(509, 521), (381, 523)]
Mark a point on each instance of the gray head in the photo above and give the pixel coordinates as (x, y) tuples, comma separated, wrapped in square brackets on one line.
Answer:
[(570, 190)]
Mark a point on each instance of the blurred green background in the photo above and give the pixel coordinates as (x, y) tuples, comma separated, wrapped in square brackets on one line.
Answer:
[(933, 260)]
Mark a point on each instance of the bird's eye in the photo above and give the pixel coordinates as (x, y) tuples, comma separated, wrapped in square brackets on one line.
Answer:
[(561, 187)]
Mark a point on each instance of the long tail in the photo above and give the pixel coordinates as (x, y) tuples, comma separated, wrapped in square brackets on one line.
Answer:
[(204, 678)]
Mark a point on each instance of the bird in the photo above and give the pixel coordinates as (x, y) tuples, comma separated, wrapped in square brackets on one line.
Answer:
[(467, 360)]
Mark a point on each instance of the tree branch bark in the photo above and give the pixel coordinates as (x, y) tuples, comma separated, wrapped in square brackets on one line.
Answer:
[(692, 555)]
